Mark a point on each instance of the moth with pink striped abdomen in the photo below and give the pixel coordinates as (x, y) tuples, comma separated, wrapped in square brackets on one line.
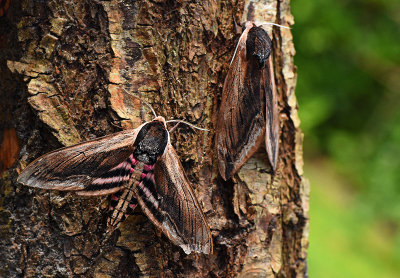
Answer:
[(248, 113), (138, 166)]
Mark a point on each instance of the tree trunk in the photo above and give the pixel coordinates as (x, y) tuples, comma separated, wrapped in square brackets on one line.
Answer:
[(63, 65)]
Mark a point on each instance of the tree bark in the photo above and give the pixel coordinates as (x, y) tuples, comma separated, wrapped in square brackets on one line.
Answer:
[(63, 65)]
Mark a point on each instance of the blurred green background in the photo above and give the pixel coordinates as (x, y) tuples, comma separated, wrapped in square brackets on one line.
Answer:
[(348, 89)]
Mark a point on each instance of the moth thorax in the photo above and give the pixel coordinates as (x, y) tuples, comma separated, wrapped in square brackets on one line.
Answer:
[(151, 142), (258, 46)]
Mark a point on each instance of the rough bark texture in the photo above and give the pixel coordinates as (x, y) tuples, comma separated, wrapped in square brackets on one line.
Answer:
[(63, 64)]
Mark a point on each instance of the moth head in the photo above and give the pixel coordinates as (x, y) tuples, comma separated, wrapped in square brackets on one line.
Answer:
[(164, 122), (160, 119)]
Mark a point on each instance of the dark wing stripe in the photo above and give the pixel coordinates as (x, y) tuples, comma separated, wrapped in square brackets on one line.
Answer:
[(112, 174), (156, 214), (115, 177), (148, 184), (147, 193), (149, 205)]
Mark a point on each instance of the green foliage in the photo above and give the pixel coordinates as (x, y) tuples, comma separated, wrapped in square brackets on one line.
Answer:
[(348, 58), (345, 239)]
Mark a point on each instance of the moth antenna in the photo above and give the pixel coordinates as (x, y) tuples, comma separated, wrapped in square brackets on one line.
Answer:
[(172, 129), (237, 45), (274, 24), (265, 23), (184, 122), (145, 102), (238, 28)]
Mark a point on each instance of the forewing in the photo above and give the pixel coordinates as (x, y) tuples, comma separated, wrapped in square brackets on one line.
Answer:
[(77, 167), (240, 125), (176, 211), (111, 181), (271, 115)]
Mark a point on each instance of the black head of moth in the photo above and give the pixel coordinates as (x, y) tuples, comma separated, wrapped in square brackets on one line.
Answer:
[(248, 113), (137, 166)]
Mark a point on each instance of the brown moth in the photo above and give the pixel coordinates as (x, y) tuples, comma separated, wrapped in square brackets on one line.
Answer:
[(137, 166), (249, 111)]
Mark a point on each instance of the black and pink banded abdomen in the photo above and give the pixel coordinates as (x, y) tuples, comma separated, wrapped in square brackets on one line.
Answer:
[(124, 202)]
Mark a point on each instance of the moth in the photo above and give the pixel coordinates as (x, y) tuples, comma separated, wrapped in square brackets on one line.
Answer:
[(248, 112), (4, 5), (137, 166)]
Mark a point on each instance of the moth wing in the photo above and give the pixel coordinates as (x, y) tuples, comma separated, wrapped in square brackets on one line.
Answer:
[(77, 167), (176, 211), (111, 181), (271, 115), (240, 125)]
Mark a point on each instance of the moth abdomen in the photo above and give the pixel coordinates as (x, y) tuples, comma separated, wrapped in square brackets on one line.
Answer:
[(129, 209), (124, 202)]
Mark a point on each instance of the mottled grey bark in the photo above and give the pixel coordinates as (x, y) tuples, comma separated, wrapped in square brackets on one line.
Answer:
[(62, 64)]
